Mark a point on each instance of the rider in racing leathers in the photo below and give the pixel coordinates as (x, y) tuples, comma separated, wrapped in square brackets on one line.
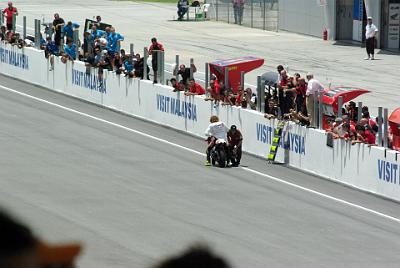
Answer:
[(215, 131)]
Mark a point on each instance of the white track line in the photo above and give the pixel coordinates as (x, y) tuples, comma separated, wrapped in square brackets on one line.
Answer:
[(326, 196)]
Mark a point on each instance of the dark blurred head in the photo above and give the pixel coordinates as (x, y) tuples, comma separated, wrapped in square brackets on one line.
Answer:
[(56, 16), (279, 68), (98, 18), (197, 257), (17, 244), (154, 40)]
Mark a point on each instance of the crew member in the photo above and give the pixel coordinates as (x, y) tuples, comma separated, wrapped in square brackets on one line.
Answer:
[(370, 34), (235, 139)]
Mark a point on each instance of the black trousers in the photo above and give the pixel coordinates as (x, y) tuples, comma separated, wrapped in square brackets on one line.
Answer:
[(370, 44)]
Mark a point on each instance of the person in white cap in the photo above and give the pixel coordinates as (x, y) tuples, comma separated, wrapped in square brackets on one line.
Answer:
[(370, 34)]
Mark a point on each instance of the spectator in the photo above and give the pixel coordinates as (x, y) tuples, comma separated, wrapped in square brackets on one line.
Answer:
[(238, 6), (139, 67), (3, 33), (213, 92), (69, 30), (352, 111), (185, 72), (313, 88), (114, 42), (370, 35), (98, 20), (227, 97), (364, 136), (177, 86), (58, 25), (195, 257), (153, 51), (124, 57), (69, 51), (183, 6), (88, 45), (95, 33), (239, 95), (301, 89), (247, 99), (129, 67), (19, 248), (118, 64), (195, 88), (272, 110), (51, 50), (9, 12)]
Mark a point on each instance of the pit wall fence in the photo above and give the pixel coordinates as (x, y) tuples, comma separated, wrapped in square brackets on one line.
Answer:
[(372, 169)]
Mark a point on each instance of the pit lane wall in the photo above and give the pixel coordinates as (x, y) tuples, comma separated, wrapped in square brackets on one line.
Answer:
[(371, 169)]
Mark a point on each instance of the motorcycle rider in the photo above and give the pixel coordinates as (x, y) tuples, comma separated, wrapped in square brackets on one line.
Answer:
[(235, 139), (215, 131)]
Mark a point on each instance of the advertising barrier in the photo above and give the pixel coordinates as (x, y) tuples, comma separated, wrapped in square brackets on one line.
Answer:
[(371, 169)]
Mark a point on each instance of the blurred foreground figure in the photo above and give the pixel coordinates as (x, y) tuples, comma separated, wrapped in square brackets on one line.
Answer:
[(194, 257), (19, 248)]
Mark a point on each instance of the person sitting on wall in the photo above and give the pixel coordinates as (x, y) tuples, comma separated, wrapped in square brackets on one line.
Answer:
[(195, 88), (51, 50), (69, 51)]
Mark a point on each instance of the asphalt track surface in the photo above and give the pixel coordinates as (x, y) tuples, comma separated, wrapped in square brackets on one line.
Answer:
[(76, 171)]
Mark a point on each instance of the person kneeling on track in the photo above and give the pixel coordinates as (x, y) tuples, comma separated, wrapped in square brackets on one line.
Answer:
[(215, 131), (235, 139)]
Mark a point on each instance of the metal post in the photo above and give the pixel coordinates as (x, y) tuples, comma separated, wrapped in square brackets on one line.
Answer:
[(264, 16), (379, 122), (320, 117), (261, 98), (14, 22), (242, 79), (24, 27), (385, 127), (158, 72), (340, 104), (131, 49), (37, 33), (76, 41), (207, 76), (145, 57), (359, 111), (177, 67), (226, 82), (191, 68), (251, 13), (315, 114), (216, 10), (1, 18), (161, 67), (259, 89), (228, 12)]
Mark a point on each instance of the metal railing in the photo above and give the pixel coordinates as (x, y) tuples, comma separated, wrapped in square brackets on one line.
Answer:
[(261, 14)]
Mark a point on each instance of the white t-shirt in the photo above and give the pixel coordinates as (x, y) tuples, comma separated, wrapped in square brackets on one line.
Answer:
[(218, 130), (313, 87), (370, 30)]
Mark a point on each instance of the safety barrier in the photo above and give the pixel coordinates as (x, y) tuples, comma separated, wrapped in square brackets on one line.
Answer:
[(372, 169)]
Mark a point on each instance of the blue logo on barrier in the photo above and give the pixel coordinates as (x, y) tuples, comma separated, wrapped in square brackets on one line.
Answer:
[(289, 141), (177, 107), (388, 172), (14, 58), (89, 81)]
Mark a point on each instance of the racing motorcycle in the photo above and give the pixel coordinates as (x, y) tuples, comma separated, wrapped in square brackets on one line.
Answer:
[(219, 153)]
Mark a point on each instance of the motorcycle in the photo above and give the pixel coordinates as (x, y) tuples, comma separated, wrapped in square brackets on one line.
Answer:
[(219, 153)]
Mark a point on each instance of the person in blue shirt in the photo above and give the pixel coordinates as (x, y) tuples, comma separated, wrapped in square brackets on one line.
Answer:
[(69, 29), (114, 41), (51, 50), (69, 51), (129, 65), (95, 33)]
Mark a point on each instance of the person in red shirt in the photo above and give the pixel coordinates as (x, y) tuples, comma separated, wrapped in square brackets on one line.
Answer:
[(154, 47), (9, 12), (213, 91), (364, 136), (195, 88), (177, 86), (239, 96)]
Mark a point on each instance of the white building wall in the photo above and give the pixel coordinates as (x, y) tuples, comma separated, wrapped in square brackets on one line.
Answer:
[(307, 16)]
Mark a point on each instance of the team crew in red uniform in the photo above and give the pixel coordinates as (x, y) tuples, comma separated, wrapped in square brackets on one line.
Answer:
[(9, 12), (195, 88), (154, 47), (235, 139)]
